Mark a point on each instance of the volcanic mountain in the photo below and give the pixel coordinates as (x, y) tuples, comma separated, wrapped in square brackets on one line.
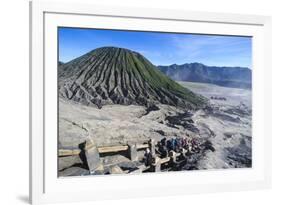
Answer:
[(237, 77), (111, 75)]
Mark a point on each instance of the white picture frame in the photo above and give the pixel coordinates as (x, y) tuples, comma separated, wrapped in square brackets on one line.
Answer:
[(46, 187)]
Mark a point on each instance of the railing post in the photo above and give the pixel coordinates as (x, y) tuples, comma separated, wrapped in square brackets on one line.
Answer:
[(93, 157), (133, 152), (157, 164), (173, 155), (152, 147)]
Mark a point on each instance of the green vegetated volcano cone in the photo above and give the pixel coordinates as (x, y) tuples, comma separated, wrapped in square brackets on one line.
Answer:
[(111, 75)]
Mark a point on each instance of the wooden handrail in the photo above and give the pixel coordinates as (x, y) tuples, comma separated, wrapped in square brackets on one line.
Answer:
[(105, 149)]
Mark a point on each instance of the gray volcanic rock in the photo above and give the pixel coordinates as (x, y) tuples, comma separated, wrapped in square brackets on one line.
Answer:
[(110, 75)]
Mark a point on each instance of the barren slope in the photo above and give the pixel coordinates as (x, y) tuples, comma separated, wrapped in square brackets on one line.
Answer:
[(110, 75)]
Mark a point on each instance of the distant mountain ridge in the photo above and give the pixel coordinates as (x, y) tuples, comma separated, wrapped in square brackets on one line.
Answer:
[(237, 77), (111, 75)]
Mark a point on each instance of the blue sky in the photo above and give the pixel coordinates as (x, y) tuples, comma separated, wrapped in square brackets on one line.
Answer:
[(160, 48)]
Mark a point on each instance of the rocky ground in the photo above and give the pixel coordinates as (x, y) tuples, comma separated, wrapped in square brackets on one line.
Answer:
[(226, 124)]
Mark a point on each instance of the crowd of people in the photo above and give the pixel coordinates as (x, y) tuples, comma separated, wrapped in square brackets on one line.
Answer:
[(177, 145), (218, 98), (186, 145)]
